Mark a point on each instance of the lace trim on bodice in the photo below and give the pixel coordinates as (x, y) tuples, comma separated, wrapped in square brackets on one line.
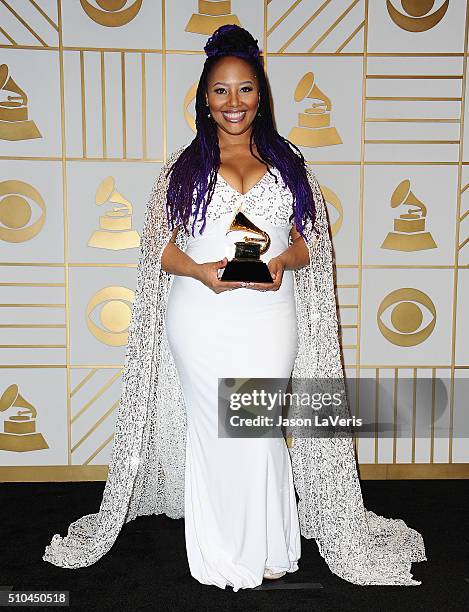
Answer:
[(268, 200)]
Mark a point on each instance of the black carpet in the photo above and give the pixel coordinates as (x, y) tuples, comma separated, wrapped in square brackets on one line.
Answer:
[(147, 568)]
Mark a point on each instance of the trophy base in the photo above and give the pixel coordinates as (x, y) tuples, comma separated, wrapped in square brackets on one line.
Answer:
[(250, 271)]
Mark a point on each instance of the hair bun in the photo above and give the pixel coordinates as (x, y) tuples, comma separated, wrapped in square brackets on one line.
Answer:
[(231, 39)]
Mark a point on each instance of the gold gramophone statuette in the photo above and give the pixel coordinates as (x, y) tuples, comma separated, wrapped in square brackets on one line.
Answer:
[(246, 264)]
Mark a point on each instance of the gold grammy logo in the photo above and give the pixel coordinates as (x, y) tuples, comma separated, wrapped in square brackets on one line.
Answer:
[(406, 316), (19, 431), (116, 226), (314, 123), (14, 122), (111, 15), (418, 18), (409, 228), (15, 211), (115, 315), (212, 14)]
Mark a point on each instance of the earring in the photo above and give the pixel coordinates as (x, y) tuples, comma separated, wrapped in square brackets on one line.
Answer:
[(208, 114)]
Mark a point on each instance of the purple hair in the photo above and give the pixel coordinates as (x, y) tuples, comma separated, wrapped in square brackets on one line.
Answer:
[(194, 174)]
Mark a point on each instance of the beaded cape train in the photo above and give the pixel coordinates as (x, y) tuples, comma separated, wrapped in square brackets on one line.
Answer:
[(146, 470)]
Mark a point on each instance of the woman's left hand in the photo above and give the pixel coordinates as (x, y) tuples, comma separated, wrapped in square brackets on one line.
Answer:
[(276, 269)]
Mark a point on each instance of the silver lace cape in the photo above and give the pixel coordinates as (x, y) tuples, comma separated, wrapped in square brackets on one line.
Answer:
[(146, 470)]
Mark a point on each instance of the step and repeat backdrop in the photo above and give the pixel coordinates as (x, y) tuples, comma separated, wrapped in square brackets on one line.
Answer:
[(96, 94)]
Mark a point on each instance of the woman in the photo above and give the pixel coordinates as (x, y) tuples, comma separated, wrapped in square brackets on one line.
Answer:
[(235, 487), (190, 328)]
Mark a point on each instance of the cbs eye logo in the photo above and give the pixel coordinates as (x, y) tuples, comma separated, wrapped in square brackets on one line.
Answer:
[(16, 211), (418, 15), (115, 315), (111, 14), (332, 198), (407, 316), (188, 98)]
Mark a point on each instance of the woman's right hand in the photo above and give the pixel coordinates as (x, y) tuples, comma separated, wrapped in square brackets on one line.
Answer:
[(206, 273)]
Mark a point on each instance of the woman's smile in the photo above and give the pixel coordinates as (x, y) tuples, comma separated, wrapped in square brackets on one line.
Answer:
[(234, 116)]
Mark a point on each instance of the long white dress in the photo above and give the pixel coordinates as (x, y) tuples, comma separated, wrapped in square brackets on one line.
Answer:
[(239, 505)]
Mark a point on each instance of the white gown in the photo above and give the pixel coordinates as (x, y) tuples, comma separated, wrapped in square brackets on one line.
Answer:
[(240, 507)]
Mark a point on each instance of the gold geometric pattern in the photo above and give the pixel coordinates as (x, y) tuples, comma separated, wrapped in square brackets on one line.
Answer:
[(28, 24), (331, 27), (117, 104), (91, 411)]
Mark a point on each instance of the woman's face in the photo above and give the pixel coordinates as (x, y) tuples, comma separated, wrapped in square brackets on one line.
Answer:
[(232, 95)]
